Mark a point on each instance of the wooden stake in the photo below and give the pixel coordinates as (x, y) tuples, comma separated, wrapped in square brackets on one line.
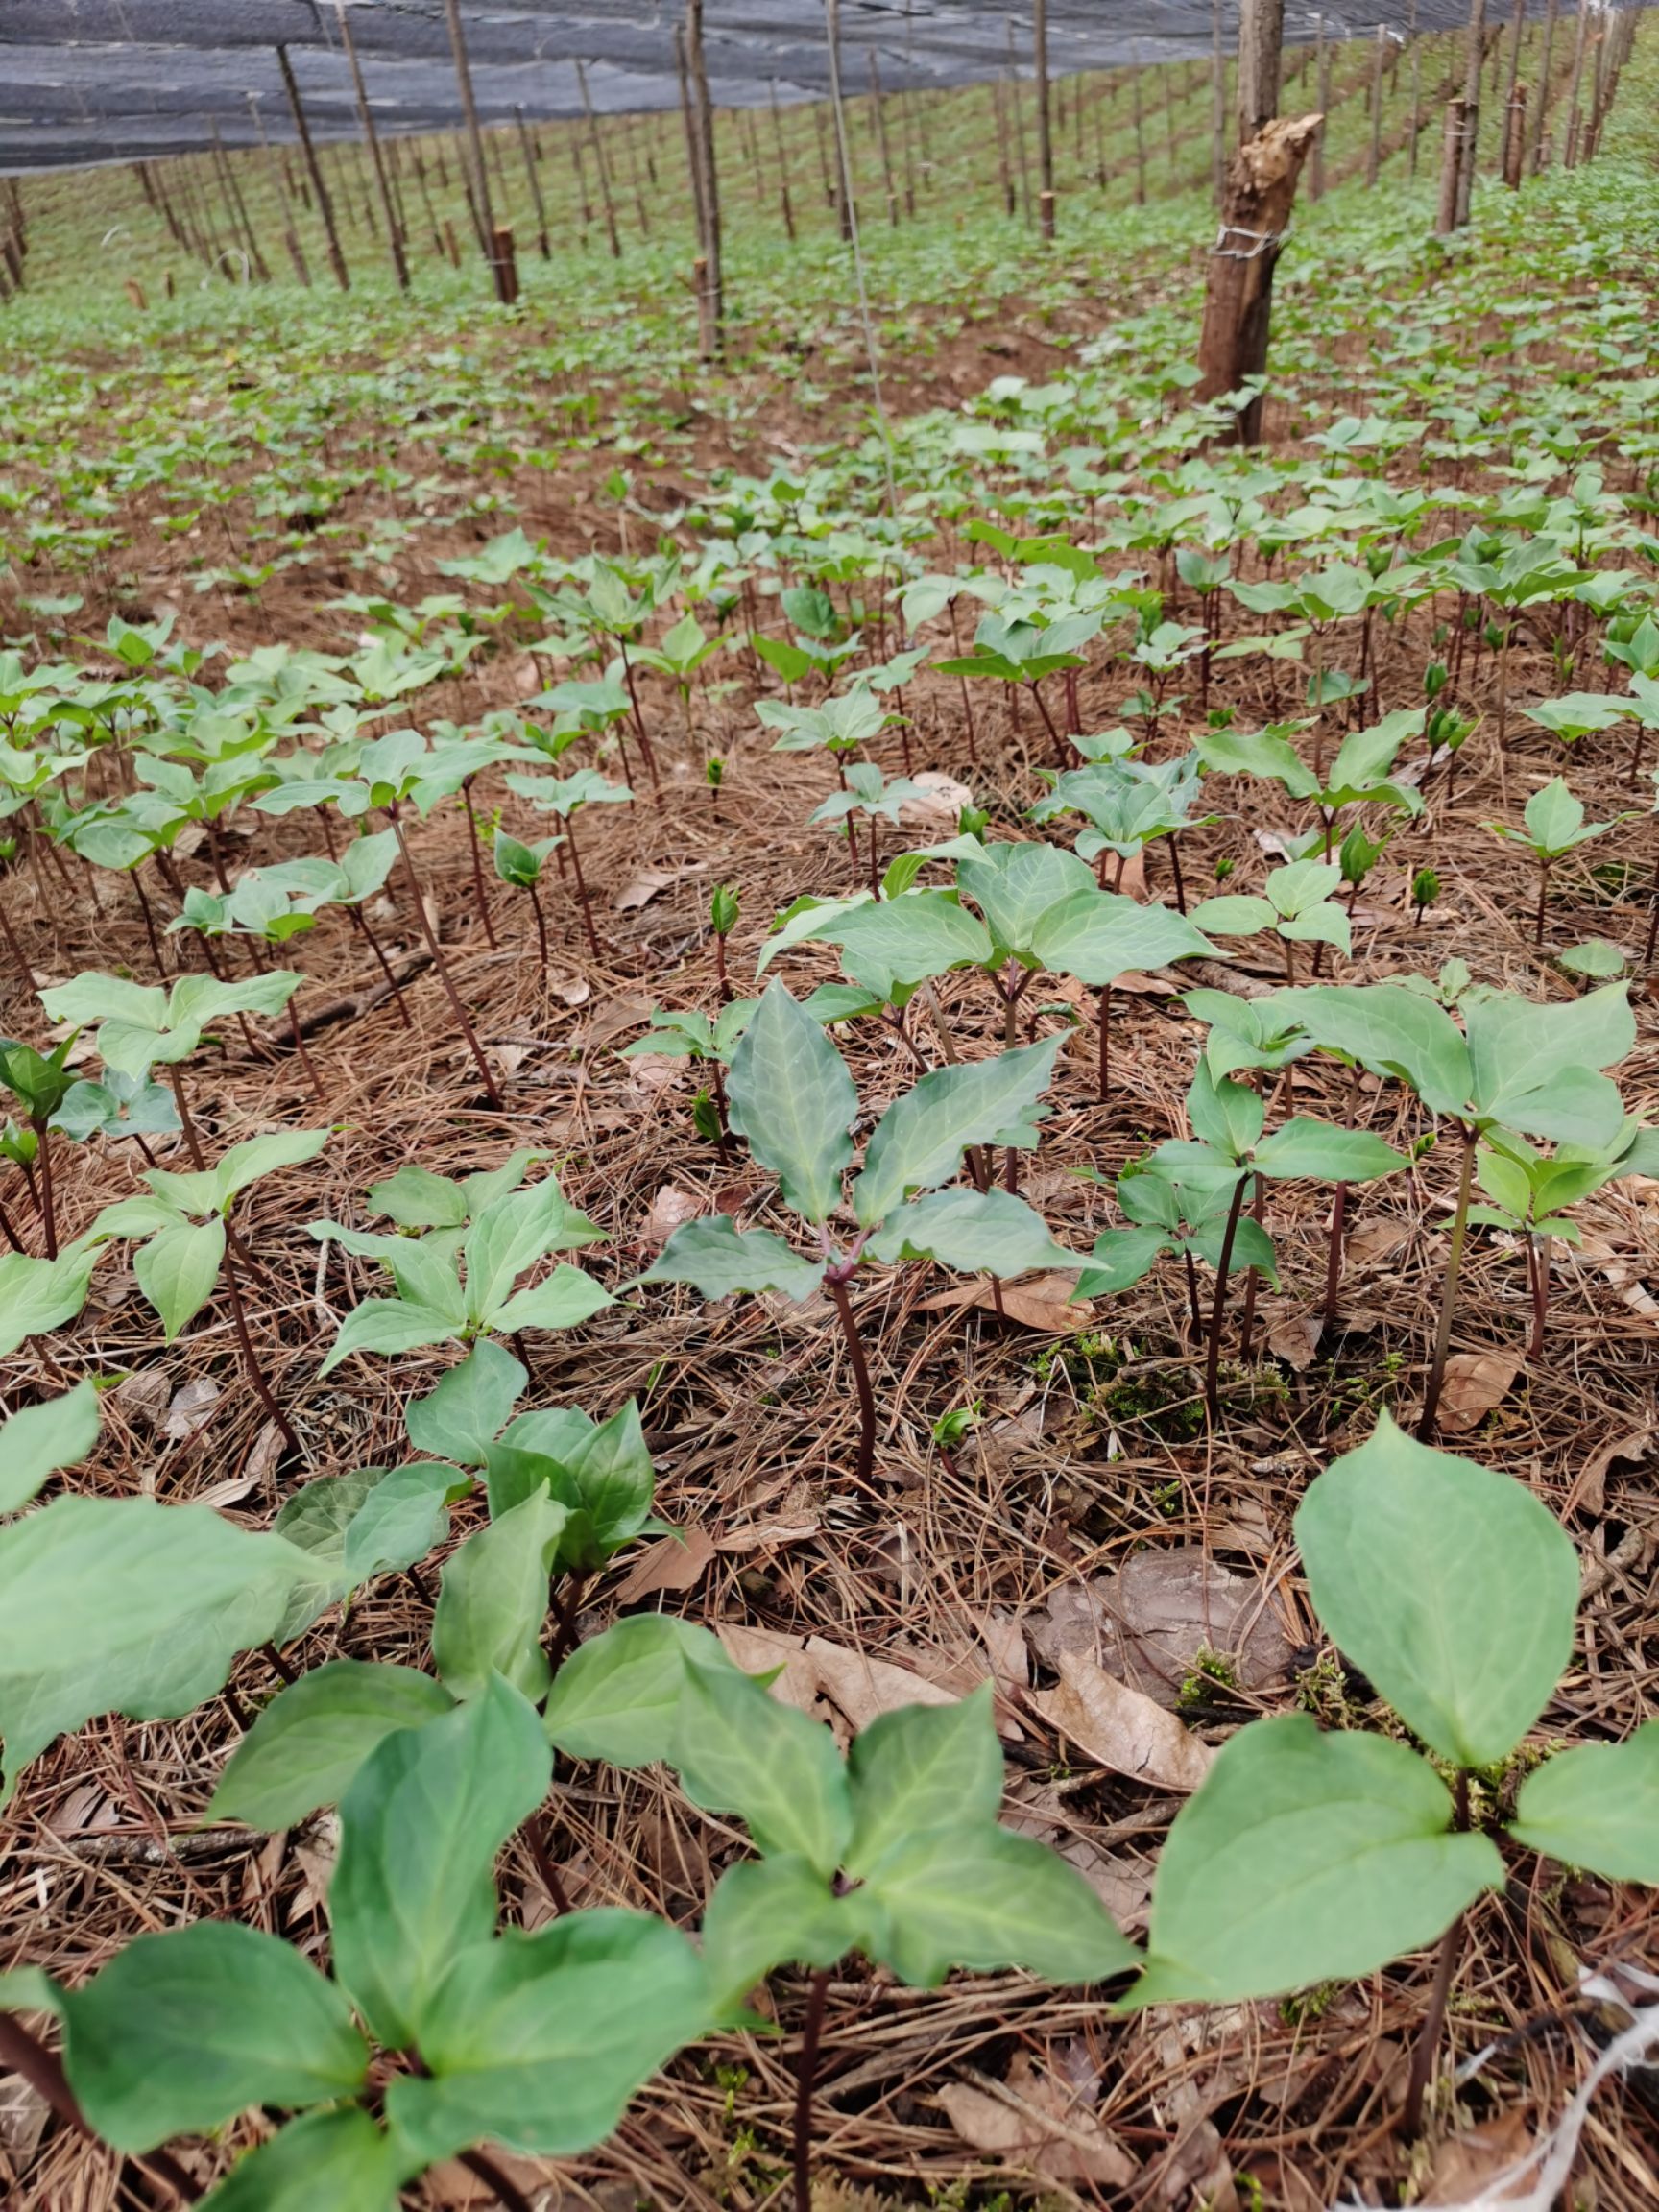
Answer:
[(1322, 64), (504, 258), (1374, 153), (536, 201), (784, 200), (1238, 298), (881, 108), (325, 206), (1140, 132), (1045, 131), (598, 145), (365, 116), (1515, 136), (1416, 46), (1217, 109), (1451, 166), (1469, 150), (478, 180), (703, 139)]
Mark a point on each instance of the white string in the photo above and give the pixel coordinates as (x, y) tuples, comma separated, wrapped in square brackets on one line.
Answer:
[(1263, 242), (833, 28)]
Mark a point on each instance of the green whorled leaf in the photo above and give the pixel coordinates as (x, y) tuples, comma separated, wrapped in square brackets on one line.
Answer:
[(339, 2160), (125, 1606), (1577, 1106), (1535, 1065), (720, 1261), (400, 1521), (1391, 1031), (1596, 1806), (1324, 924), (493, 1601), (416, 1198), (1014, 885), (1234, 914), (1097, 936), (564, 1300), (182, 2030), (1258, 753), (540, 2041), (423, 1268), (1226, 1115), (246, 1162), (1120, 1257), (1305, 1858), (791, 1098), (511, 1234), (39, 1295), (605, 1484), (617, 1697), (88, 999), (919, 1767), (977, 1896), (971, 1229), (27, 1989), (739, 1751), (1252, 1246), (388, 1325), (920, 1140), (767, 1913), (1325, 1153), (37, 1440), (420, 1828), (469, 1408), (907, 940), (304, 1750), (177, 1271), (317, 1519), (1450, 1586)]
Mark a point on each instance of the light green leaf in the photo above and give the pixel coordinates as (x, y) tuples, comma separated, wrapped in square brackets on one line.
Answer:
[(920, 1140), (1234, 914), (1391, 1031), (39, 1295), (1533, 1064), (416, 1198), (1596, 1806), (305, 1747), (791, 1095), (971, 1229), (339, 2160), (1099, 936), (1225, 1115), (1326, 924), (1120, 1257), (493, 1601), (540, 2041), (565, 1299), (1258, 753), (182, 2030), (1015, 885), (739, 1751), (258, 1156), (420, 1829), (400, 1521), (922, 1767), (1325, 1153), (514, 1232), (719, 1259), (37, 1440), (125, 1606), (617, 1697), (907, 940), (387, 1324), (176, 1270), (768, 1913), (469, 1408), (981, 1897), (1305, 1858), (1450, 1586)]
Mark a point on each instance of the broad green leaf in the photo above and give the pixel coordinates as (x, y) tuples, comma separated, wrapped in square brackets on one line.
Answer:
[(1322, 924), (424, 1269), (791, 1095), (1234, 914), (1534, 1066), (605, 1484), (1325, 1153), (305, 1747), (1304, 1857), (540, 2041), (1302, 885), (977, 1896), (907, 940), (739, 1751), (922, 1767), (88, 999), (493, 1601), (1450, 1586), (416, 1198), (1014, 885), (125, 1606), (720, 1260), (767, 1913), (176, 1270), (511, 1235), (617, 1697), (1120, 1257), (387, 1324), (920, 1140), (39, 1295), (1226, 1115), (1099, 936), (400, 1521), (469, 1408), (317, 1519), (182, 2030), (971, 1229), (565, 1299), (37, 1440), (1391, 1031), (420, 1829), (336, 2159), (1596, 1806), (1258, 753), (246, 1162), (27, 1989)]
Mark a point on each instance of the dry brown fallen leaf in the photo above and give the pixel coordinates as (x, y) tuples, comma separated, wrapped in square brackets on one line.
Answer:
[(191, 1410), (1147, 1622), (1589, 1490), (857, 1686), (1476, 1382), (766, 1535), (945, 801), (1044, 1303), (1469, 2165), (1121, 1728), (670, 1207), (671, 1563), (642, 888), (571, 990), (1294, 1338), (1035, 2122)]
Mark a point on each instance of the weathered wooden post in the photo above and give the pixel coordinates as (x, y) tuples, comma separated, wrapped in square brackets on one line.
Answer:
[(320, 190), (394, 229), (1515, 136), (1450, 165), (702, 114), (1045, 126), (1262, 182)]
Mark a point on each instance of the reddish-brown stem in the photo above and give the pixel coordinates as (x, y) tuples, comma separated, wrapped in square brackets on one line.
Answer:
[(43, 2071), (1542, 895), (860, 1378), (581, 887), (9, 1233), (1217, 1312), (150, 927), (1175, 872), (1538, 1270), (1445, 1966), (444, 978), (48, 1198), (1447, 1294), (1247, 1323), (507, 2189), (806, 2075), (541, 925), (480, 896), (1105, 1042), (250, 1358), (192, 1141), (305, 1059), (25, 974), (536, 1836), (360, 921), (1333, 1255)]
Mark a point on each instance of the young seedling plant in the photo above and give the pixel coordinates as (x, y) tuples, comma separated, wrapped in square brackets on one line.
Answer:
[(1554, 825)]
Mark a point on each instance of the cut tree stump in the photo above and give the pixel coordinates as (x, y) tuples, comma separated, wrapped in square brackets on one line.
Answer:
[(1238, 301)]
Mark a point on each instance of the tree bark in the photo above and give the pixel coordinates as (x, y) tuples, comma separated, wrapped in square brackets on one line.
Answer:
[(1260, 65), (1238, 301), (325, 206)]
